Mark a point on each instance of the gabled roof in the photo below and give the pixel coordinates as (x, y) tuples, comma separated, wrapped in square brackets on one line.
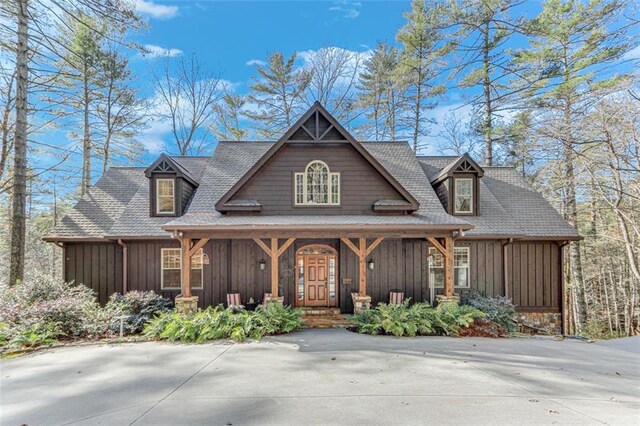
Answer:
[(463, 163), (166, 164), (300, 131)]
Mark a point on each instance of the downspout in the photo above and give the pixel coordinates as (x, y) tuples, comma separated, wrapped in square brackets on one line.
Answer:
[(563, 326), (505, 267), (125, 265), (64, 259)]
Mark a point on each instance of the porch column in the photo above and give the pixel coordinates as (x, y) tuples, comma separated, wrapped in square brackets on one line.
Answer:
[(185, 302), (362, 251), (274, 252), (446, 249)]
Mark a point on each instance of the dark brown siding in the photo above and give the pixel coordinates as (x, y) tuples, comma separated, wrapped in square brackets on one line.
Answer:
[(145, 269), (96, 265), (534, 274), (361, 185)]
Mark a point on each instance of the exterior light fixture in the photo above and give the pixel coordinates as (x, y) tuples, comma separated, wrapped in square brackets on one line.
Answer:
[(372, 264), (263, 265)]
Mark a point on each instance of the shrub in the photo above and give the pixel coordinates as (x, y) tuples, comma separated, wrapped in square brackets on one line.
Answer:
[(41, 302), (217, 322), (419, 319), (138, 306), (498, 309)]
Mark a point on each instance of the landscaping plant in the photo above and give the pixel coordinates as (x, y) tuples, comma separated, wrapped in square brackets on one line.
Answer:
[(138, 308), (215, 323), (498, 309), (419, 319)]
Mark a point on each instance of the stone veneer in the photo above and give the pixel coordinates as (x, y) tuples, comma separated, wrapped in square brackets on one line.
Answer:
[(548, 322)]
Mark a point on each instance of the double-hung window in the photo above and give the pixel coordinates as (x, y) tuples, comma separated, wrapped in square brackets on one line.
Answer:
[(460, 267), (165, 196), (317, 186), (171, 273), (463, 199)]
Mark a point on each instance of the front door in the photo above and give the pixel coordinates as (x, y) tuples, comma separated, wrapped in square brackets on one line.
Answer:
[(316, 279)]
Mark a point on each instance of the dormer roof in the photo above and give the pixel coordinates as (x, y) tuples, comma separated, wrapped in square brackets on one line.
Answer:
[(461, 164)]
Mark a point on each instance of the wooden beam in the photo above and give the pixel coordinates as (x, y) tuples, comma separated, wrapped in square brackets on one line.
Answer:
[(437, 245), (362, 275), (274, 267), (185, 282), (263, 246), (448, 267), (197, 246), (285, 246), (351, 246), (373, 245)]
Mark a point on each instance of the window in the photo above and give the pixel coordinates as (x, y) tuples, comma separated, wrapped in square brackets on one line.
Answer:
[(165, 198), (463, 202), (460, 267), (317, 185), (170, 278)]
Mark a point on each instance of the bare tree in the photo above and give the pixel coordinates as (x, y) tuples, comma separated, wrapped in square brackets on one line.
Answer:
[(186, 97), (456, 135)]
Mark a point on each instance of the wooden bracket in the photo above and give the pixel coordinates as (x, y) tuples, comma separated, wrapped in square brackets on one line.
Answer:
[(197, 246)]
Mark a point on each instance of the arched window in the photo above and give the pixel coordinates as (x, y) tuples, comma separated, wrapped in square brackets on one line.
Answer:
[(317, 185)]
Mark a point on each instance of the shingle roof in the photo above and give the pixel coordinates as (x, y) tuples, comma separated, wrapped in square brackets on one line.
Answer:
[(231, 161), (117, 206), (508, 204)]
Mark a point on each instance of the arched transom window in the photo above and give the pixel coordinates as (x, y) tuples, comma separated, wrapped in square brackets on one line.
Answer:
[(317, 185)]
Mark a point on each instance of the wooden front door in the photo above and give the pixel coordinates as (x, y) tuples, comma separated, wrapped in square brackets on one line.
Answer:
[(316, 279)]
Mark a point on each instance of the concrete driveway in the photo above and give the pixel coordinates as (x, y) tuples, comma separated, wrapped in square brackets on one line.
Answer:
[(326, 377)]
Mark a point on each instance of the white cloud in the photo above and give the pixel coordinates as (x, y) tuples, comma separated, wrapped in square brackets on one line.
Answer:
[(229, 86), (154, 10), (253, 62), (346, 9), (632, 54), (153, 51)]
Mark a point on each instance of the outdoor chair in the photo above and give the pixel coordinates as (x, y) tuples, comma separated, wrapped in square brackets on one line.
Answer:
[(396, 297), (234, 300)]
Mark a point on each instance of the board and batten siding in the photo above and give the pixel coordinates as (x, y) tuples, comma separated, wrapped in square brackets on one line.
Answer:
[(533, 270), (360, 184), (95, 265)]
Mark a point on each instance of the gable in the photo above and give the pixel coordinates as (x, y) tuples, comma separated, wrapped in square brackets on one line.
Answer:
[(317, 128)]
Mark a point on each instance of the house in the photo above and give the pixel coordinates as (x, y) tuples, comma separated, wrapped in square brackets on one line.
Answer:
[(318, 218)]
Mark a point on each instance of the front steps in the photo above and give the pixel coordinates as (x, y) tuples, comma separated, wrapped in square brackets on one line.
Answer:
[(324, 318)]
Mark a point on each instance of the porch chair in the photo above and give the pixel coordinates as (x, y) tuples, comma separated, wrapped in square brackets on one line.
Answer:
[(234, 300), (396, 297), (265, 296)]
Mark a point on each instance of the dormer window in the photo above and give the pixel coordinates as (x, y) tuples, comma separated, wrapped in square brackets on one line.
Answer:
[(165, 196), (463, 198), (317, 186)]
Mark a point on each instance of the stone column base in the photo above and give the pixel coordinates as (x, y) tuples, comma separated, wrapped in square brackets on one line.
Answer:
[(441, 299), (540, 322), (360, 303), (271, 299), (186, 304)]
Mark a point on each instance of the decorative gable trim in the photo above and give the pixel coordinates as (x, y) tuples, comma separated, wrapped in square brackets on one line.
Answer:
[(166, 164), (462, 164), (310, 128)]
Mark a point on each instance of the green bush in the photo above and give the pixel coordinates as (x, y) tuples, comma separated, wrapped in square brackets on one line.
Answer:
[(215, 323), (139, 307), (419, 319), (498, 309)]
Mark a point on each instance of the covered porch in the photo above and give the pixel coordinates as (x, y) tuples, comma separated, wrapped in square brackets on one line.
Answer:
[(343, 268)]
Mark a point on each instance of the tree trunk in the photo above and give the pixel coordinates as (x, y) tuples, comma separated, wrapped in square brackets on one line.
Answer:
[(18, 208), (86, 137), (488, 112), (416, 124)]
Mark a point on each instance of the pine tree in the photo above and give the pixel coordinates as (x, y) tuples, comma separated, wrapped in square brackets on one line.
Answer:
[(424, 46), (570, 42), (278, 94), (228, 115), (483, 29)]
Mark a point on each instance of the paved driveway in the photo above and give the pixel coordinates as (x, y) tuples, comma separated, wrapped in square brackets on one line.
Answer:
[(326, 377)]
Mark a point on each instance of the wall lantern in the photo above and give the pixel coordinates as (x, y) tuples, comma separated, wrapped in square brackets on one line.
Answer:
[(372, 264), (263, 265)]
